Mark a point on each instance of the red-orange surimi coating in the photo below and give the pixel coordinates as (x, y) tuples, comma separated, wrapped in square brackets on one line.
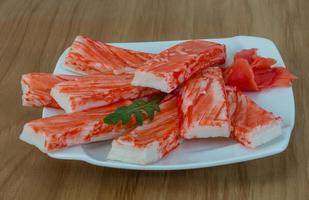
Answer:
[(97, 90), (87, 56), (163, 129), (81, 89), (178, 63), (65, 130), (203, 105), (36, 88), (246, 116)]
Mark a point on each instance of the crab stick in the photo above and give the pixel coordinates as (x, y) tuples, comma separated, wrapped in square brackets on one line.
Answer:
[(203, 106), (87, 56), (153, 140), (252, 125), (61, 131), (97, 90), (167, 70), (36, 88)]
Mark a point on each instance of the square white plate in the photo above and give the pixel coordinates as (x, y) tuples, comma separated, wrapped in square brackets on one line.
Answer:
[(203, 152)]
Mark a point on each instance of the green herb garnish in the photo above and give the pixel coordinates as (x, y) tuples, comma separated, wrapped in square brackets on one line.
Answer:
[(137, 108)]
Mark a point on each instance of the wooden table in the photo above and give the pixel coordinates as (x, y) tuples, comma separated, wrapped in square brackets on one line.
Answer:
[(34, 33)]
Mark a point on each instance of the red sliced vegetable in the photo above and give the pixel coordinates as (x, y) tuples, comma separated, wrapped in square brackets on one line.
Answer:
[(250, 72), (248, 54), (241, 75), (273, 77), (261, 62)]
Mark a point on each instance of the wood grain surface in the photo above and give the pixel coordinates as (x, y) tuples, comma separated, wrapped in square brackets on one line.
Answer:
[(34, 33)]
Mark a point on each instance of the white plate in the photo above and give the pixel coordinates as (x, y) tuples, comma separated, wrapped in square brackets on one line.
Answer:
[(203, 152)]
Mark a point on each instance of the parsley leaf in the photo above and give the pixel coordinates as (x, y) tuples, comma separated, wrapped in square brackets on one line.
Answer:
[(137, 108)]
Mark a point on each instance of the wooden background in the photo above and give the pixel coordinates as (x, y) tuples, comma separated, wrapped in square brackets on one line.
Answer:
[(34, 33)]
